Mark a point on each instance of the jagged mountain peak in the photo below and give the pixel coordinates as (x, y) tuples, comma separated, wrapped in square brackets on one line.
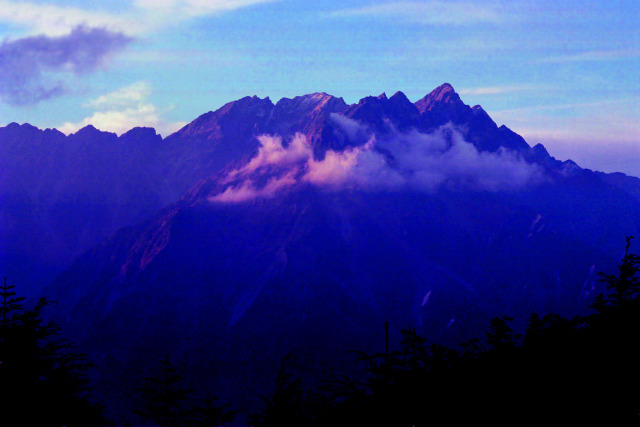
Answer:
[(399, 95), (140, 134), (25, 127), (248, 102), (87, 130), (370, 100), (209, 124), (443, 89), (90, 132), (402, 109), (16, 135), (54, 132), (308, 114), (482, 118), (443, 94), (310, 102), (540, 149), (21, 126)]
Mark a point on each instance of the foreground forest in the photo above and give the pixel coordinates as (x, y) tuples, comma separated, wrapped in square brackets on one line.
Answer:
[(557, 372)]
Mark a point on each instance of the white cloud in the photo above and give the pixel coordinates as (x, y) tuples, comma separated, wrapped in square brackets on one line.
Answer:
[(590, 56), (124, 109), (57, 20), (422, 162), (428, 13), (136, 93), (143, 17), (195, 7), (499, 90), (272, 152), (248, 191)]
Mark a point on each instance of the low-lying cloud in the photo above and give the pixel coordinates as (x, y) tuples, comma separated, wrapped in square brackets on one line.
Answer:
[(30, 67), (247, 190), (397, 161)]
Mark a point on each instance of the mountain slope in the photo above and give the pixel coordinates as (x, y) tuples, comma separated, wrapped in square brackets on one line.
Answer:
[(316, 274), (60, 195), (312, 222)]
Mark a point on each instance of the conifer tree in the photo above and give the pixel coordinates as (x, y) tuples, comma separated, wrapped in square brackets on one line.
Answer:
[(211, 414), (42, 381), (500, 336), (287, 405), (164, 396), (624, 287)]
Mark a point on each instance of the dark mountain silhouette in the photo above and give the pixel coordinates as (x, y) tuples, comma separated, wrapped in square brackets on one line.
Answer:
[(61, 195), (425, 215)]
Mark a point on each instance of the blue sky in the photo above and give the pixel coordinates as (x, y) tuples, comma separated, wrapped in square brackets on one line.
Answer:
[(566, 74)]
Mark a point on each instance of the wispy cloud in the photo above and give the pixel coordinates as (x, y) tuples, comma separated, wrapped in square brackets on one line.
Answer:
[(601, 135), (589, 122), (428, 13), (592, 56), (27, 64), (56, 20), (499, 90), (193, 56), (143, 16), (196, 7), (124, 109), (618, 152), (568, 106)]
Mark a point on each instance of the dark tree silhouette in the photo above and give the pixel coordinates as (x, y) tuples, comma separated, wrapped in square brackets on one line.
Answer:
[(168, 403), (42, 381), (288, 405), (563, 372), (500, 336), (623, 288), (211, 413), (165, 397)]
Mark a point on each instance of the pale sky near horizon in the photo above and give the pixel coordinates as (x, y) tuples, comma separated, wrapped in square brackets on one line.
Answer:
[(566, 74)]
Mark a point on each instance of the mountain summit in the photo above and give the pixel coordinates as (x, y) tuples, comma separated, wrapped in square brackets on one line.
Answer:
[(443, 94)]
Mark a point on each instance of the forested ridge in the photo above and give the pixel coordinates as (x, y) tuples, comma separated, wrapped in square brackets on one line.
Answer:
[(557, 372)]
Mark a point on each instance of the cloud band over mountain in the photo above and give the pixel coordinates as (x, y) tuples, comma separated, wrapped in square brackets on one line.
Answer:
[(410, 160)]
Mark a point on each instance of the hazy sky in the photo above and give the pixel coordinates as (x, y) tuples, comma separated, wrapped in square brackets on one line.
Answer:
[(566, 74)]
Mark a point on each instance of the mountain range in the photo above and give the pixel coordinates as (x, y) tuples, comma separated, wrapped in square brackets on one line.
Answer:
[(300, 227)]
